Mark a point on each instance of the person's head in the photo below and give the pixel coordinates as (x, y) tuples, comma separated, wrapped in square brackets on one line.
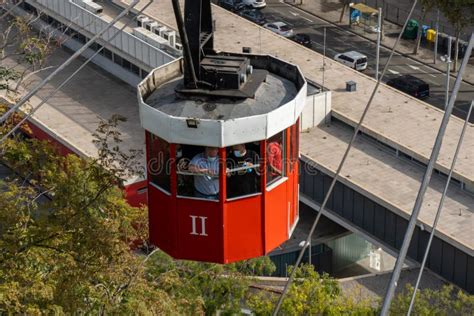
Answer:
[(239, 150), (211, 152)]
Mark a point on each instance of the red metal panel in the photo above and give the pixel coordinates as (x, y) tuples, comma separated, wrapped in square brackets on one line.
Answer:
[(243, 229), (203, 240), (295, 206), (263, 184), (162, 218), (276, 216), (136, 193), (222, 197)]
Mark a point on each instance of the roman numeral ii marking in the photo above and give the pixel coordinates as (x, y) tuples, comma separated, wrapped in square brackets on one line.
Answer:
[(203, 225)]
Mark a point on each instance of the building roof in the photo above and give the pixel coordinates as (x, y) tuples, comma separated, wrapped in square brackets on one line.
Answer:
[(392, 182), (364, 9), (401, 121)]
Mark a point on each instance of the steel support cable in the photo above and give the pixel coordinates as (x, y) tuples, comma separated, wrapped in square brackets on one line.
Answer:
[(43, 101), (440, 207), (25, 98), (341, 164), (424, 184)]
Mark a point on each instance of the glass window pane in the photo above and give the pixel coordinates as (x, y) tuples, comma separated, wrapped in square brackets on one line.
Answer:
[(275, 158), (159, 167), (117, 59), (243, 170), (144, 73), (198, 171), (107, 53), (135, 69), (126, 64), (294, 145)]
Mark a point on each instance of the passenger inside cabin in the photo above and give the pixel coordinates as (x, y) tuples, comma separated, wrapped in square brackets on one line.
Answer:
[(206, 168), (242, 173)]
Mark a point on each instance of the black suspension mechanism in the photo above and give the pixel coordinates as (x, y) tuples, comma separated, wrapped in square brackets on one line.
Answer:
[(207, 73)]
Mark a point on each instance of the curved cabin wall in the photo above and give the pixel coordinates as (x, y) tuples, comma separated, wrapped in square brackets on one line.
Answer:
[(225, 230)]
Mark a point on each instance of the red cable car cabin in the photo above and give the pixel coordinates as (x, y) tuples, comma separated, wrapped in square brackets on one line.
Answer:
[(228, 226), (222, 150)]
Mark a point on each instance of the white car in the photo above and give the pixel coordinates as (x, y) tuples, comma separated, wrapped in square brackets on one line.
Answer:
[(280, 28), (256, 4), (352, 59)]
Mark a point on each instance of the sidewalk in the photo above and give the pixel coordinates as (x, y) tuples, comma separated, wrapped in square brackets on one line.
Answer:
[(330, 10)]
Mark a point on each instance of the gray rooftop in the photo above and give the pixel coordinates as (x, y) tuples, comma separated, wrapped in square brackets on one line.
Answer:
[(405, 123), (392, 181), (272, 94)]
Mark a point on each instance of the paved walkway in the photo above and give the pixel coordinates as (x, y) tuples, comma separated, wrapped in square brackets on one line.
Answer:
[(74, 113), (330, 10)]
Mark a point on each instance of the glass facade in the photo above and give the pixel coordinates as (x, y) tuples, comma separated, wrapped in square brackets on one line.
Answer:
[(276, 155)]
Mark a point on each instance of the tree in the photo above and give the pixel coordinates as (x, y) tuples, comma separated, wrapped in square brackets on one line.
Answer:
[(66, 234), (68, 245), (66, 231), (433, 302), (426, 6), (460, 14), (24, 51), (345, 5), (311, 294)]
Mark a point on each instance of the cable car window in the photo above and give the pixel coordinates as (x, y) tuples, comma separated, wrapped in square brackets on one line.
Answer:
[(198, 171), (294, 145), (243, 170), (159, 162), (275, 158)]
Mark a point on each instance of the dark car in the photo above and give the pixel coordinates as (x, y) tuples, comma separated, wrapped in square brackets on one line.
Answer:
[(254, 15), (411, 85), (231, 5), (303, 39)]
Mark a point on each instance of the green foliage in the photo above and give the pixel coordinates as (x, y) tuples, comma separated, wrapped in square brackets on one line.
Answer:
[(311, 294), (199, 287), (66, 233), (70, 252), (34, 50), (7, 75), (445, 301), (65, 236), (460, 13), (261, 266)]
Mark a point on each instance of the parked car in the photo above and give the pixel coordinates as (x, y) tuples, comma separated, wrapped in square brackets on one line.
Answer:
[(232, 5), (352, 59), (256, 4), (256, 16), (279, 28), (411, 85), (302, 39)]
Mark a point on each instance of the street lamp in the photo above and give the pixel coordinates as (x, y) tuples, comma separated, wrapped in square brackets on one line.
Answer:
[(447, 59), (379, 38)]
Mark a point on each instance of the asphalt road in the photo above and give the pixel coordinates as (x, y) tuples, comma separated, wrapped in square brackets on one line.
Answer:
[(339, 40)]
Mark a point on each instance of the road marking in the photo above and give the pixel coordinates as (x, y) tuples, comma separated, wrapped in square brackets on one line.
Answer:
[(393, 72), (310, 21), (293, 13), (421, 70)]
